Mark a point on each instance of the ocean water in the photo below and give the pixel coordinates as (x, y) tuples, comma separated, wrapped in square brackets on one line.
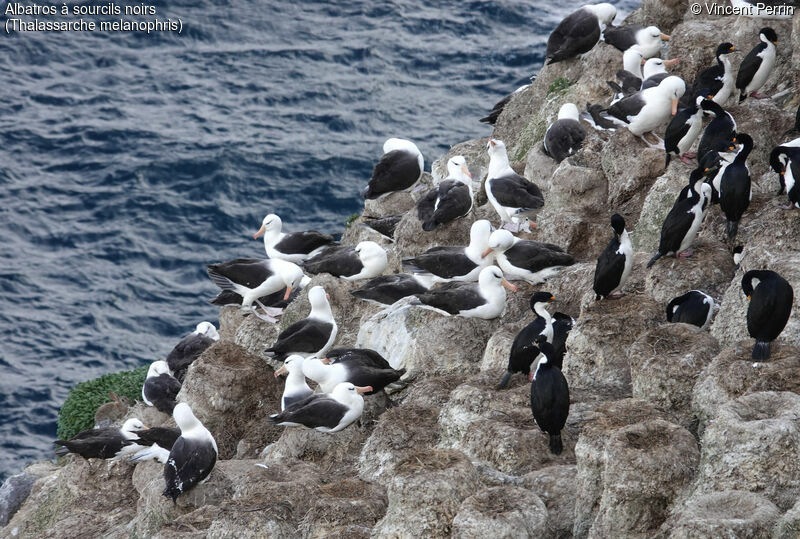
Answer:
[(128, 161)]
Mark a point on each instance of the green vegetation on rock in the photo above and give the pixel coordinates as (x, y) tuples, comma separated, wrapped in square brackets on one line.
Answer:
[(558, 86), (77, 412), (349, 220)]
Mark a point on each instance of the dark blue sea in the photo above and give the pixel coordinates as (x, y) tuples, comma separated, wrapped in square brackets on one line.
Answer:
[(128, 161)]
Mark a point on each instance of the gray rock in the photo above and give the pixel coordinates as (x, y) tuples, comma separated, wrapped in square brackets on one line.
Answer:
[(13, 492), (752, 444), (732, 374), (665, 363), (232, 392), (596, 346), (556, 486), (398, 432), (728, 513), (425, 494), (425, 342), (501, 512), (603, 422), (496, 428), (788, 526)]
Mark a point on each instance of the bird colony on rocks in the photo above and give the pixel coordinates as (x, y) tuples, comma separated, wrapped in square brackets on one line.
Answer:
[(433, 389)]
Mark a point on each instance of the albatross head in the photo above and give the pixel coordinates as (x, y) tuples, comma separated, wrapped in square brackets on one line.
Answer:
[(207, 329), (501, 240), (320, 308), (347, 393), (184, 417), (372, 256), (131, 426), (457, 169), (292, 276), (492, 277), (270, 224), (632, 60), (568, 111), (291, 364), (604, 12), (158, 368), (672, 88)]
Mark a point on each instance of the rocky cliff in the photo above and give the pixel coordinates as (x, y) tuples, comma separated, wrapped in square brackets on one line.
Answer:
[(673, 431)]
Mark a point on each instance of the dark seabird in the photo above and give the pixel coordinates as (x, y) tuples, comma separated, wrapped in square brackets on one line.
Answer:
[(296, 388), (681, 225), (359, 356), (399, 168), (735, 188), (524, 349), (579, 32), (615, 262), (508, 192), (449, 200), (757, 66), (565, 136), (714, 163), (364, 261), (624, 37), (325, 412), (328, 376), (160, 388), (549, 397), (720, 130), (103, 443), (530, 260), (770, 306), (485, 299), (157, 442), (785, 161), (313, 335), (292, 247), (190, 347), (274, 303), (444, 264), (253, 278), (694, 307), (684, 128), (500, 105), (192, 456), (383, 225), (388, 289), (718, 79)]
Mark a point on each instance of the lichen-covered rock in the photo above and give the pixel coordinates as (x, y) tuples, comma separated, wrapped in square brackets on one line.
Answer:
[(425, 342), (709, 269), (76, 500), (425, 494), (729, 513), (502, 512), (232, 392), (556, 486), (733, 374), (788, 526), (412, 240), (255, 336), (646, 466), (631, 168), (665, 363), (399, 201), (398, 432), (657, 204), (603, 422), (497, 428), (495, 356), (596, 347), (753, 444)]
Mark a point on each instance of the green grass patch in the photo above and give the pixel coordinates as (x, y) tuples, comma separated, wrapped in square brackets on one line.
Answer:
[(558, 86), (77, 412), (349, 220)]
